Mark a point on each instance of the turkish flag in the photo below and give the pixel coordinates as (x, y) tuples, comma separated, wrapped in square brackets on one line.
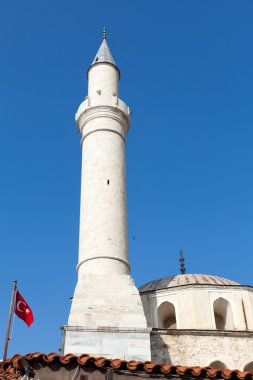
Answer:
[(23, 310)]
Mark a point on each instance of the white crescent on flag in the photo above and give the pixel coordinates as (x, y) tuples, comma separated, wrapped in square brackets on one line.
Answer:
[(23, 310), (18, 306)]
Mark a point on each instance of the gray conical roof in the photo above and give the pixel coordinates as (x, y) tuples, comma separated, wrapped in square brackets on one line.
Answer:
[(104, 54)]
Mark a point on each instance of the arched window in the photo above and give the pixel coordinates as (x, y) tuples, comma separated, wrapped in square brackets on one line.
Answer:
[(167, 316), (223, 314), (217, 365), (248, 367)]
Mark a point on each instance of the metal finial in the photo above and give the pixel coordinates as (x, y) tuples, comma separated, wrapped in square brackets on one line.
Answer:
[(181, 260), (104, 33)]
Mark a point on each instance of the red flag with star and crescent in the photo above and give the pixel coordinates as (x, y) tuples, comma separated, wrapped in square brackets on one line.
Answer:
[(23, 310)]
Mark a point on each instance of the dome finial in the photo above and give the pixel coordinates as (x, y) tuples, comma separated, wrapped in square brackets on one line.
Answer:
[(181, 260), (104, 33)]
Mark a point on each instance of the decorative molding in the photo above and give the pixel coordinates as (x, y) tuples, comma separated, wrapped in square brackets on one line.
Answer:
[(103, 111), (188, 286), (103, 257), (107, 329), (105, 130), (230, 333)]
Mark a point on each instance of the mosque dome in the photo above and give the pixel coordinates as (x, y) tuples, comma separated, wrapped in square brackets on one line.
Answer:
[(185, 279)]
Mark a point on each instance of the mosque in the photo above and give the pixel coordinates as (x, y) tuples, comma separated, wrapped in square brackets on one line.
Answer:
[(187, 319), (193, 325)]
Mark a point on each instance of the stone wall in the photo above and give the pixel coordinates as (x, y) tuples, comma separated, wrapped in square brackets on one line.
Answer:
[(107, 319), (201, 348)]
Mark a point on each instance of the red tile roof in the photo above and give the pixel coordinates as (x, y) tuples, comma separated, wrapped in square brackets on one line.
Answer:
[(10, 369)]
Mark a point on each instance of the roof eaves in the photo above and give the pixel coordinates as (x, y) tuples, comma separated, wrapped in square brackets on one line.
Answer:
[(10, 369)]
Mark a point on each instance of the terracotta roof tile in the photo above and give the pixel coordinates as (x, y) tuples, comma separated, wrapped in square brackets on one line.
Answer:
[(11, 368)]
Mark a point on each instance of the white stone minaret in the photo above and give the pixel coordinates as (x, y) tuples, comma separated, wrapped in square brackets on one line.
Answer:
[(106, 317)]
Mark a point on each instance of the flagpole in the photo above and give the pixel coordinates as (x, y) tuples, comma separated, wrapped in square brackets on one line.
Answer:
[(7, 338)]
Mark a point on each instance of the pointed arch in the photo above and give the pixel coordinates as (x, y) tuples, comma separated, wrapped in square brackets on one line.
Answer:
[(167, 316), (248, 367), (217, 364), (223, 315)]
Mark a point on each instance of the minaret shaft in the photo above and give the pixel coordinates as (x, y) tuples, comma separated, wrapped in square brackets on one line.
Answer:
[(103, 221), (106, 317), (103, 121)]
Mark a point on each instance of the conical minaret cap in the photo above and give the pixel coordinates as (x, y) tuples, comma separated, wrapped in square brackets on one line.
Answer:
[(104, 54)]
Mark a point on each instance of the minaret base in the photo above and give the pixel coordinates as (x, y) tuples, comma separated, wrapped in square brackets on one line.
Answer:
[(107, 319), (109, 342)]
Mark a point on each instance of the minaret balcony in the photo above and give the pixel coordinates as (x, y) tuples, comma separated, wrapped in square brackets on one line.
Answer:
[(102, 100)]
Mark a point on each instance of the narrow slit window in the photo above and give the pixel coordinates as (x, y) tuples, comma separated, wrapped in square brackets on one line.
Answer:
[(108, 182)]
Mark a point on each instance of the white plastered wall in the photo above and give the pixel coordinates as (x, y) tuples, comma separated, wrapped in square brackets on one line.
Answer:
[(194, 306)]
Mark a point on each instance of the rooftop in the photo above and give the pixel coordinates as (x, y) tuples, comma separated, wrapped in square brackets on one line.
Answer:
[(13, 368), (185, 279)]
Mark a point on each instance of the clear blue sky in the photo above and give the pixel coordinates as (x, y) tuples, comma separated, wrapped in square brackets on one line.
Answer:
[(186, 71)]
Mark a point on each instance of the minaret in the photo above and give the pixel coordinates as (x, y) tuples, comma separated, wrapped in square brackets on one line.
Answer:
[(106, 317)]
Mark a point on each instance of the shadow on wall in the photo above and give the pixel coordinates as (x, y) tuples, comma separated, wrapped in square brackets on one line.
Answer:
[(249, 367), (159, 350), (167, 316), (218, 365), (223, 314)]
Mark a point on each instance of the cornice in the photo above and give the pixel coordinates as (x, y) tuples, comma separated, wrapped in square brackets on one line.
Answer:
[(194, 332), (117, 258), (103, 111), (103, 130), (196, 286)]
